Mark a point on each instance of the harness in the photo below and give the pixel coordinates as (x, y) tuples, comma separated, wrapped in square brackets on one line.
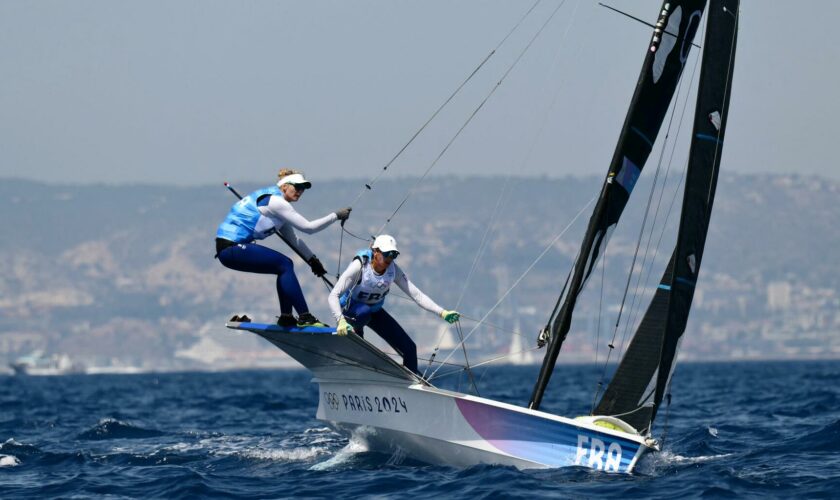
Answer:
[(370, 288)]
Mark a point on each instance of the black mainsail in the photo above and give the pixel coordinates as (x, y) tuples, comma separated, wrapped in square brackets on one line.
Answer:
[(667, 52), (642, 377)]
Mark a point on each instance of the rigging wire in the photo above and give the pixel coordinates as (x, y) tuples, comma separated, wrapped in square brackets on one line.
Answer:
[(466, 360), (483, 245), (600, 383), (360, 238), (480, 363), (633, 309), (525, 161), (369, 185), (472, 115), (533, 144), (525, 273), (464, 316), (637, 293), (499, 205), (340, 247)]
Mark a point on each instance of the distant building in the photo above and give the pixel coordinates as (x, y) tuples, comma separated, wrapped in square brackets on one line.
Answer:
[(778, 295)]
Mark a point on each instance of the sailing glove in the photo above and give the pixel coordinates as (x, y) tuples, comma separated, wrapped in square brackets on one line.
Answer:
[(316, 266), (450, 316), (343, 327), (343, 213)]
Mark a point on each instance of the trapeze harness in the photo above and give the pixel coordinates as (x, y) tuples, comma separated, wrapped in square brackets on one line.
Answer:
[(371, 288)]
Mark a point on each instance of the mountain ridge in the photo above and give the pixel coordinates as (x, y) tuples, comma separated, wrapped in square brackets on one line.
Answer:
[(125, 274)]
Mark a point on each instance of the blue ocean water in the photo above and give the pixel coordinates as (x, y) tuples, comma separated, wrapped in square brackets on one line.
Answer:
[(734, 430)]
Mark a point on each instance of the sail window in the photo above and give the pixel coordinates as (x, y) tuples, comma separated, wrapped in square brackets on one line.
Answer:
[(628, 175)]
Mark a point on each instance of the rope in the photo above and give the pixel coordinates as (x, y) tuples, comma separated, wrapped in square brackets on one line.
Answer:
[(466, 360), (482, 245), (480, 251), (369, 185), (633, 310), (497, 209), (516, 283), (481, 363), (524, 162), (360, 238), (636, 292), (340, 249), (472, 115)]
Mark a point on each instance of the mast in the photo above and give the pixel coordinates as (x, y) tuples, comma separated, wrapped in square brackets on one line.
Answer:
[(641, 379), (667, 52)]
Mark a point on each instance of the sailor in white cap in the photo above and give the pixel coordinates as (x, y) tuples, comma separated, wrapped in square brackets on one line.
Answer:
[(356, 300), (253, 218)]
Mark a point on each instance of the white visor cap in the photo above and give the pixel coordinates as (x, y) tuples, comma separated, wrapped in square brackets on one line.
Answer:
[(385, 243), (295, 179)]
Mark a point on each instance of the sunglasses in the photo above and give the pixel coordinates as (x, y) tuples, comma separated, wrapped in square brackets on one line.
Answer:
[(391, 254), (299, 187)]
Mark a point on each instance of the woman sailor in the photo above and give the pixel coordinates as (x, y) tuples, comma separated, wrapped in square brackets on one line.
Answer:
[(358, 296), (256, 216)]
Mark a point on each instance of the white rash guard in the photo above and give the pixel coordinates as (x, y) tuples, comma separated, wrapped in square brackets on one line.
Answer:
[(351, 275), (279, 214)]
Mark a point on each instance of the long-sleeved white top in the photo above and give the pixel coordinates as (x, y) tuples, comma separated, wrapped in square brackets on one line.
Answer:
[(279, 214), (352, 274)]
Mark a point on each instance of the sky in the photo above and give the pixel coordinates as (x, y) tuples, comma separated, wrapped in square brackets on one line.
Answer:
[(197, 92)]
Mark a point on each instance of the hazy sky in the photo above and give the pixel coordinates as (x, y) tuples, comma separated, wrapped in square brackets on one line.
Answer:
[(197, 92)]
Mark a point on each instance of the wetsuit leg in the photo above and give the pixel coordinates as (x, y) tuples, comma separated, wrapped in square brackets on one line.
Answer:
[(358, 315), (252, 258), (387, 327)]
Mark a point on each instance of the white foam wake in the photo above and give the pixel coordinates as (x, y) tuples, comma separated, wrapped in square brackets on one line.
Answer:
[(357, 444), (8, 461), (287, 455)]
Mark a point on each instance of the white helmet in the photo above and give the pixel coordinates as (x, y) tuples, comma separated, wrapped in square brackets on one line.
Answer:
[(385, 243)]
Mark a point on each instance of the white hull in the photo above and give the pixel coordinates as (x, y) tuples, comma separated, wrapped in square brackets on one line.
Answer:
[(443, 427), (366, 392)]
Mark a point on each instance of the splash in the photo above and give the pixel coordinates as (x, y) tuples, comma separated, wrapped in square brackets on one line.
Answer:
[(291, 455), (670, 458), (357, 444), (8, 461)]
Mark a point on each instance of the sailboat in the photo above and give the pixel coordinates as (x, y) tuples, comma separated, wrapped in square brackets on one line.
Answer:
[(364, 391)]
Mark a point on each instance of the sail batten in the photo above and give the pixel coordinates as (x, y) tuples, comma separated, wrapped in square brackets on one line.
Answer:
[(655, 88)]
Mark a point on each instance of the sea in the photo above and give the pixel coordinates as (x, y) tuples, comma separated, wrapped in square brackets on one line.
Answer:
[(746, 429)]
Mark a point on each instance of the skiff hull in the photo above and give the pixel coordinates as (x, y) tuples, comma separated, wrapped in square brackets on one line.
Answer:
[(443, 427), (365, 392)]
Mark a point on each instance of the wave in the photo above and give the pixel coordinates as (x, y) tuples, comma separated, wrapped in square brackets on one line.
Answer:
[(9, 461), (298, 447), (109, 428), (22, 452), (10, 446), (824, 439)]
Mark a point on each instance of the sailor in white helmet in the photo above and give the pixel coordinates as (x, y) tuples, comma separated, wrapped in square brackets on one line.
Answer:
[(357, 298), (254, 217)]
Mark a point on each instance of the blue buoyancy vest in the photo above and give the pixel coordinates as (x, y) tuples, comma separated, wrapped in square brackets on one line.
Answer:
[(240, 224), (372, 288)]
